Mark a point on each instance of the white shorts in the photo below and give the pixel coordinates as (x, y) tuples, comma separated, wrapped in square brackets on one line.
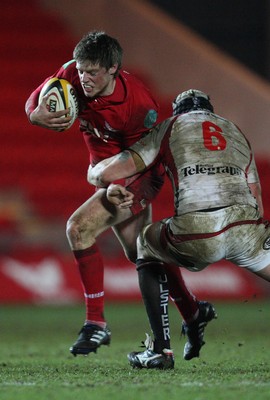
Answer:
[(197, 239)]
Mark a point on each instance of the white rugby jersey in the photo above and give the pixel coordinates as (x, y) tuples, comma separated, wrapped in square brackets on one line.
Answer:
[(207, 158)]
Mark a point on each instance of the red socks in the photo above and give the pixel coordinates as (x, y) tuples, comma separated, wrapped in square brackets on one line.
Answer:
[(91, 268), (184, 300)]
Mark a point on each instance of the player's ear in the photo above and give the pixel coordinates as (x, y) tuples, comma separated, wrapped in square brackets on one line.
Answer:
[(113, 69)]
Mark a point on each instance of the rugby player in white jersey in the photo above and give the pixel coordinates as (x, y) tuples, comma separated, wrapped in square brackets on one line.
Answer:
[(218, 208)]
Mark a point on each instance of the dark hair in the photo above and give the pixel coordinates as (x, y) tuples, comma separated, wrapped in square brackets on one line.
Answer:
[(99, 48)]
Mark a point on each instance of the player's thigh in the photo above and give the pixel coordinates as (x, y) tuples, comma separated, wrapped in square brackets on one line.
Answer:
[(97, 214), (249, 247), (128, 231), (150, 243)]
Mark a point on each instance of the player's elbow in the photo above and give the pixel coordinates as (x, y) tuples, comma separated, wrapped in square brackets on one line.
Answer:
[(97, 178), (104, 178)]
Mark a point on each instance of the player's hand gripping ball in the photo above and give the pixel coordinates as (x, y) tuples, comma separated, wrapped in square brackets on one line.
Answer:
[(61, 96)]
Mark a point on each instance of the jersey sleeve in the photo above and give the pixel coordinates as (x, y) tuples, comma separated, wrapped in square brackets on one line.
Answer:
[(152, 147), (139, 111)]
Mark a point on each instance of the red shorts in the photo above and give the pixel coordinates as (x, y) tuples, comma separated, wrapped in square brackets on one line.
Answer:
[(145, 187)]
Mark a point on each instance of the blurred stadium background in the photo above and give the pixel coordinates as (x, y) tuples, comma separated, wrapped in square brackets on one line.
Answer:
[(172, 46)]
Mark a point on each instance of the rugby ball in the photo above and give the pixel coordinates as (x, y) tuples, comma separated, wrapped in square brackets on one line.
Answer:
[(61, 95)]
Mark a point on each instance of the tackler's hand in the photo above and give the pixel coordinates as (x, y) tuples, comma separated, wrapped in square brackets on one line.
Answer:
[(119, 196)]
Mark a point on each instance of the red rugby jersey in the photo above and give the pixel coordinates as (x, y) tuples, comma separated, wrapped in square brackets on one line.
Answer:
[(110, 123)]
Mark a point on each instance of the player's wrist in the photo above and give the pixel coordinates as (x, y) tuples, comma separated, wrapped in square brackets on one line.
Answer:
[(31, 118), (121, 182)]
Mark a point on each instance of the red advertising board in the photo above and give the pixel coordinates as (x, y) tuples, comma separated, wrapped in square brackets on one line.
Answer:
[(43, 276)]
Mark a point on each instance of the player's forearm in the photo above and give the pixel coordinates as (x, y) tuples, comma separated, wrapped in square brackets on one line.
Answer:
[(112, 169), (30, 105), (95, 174), (32, 102)]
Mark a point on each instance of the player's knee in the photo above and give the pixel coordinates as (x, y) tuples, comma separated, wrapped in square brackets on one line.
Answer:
[(72, 230), (78, 231)]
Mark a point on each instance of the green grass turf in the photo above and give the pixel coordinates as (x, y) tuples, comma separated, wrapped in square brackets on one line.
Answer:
[(35, 362)]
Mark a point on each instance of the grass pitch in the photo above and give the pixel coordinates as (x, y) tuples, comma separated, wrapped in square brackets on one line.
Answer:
[(35, 362)]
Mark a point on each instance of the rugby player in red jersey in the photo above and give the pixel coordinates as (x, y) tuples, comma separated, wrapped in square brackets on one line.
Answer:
[(116, 110)]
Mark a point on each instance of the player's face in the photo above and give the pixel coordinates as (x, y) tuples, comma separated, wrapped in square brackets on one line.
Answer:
[(96, 80)]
